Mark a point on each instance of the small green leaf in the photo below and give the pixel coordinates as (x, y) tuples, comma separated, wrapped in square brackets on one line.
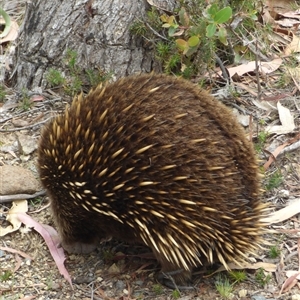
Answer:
[(181, 44), (211, 30), (193, 41), (183, 17), (7, 23), (212, 10), (223, 15), (172, 30), (171, 20), (164, 18), (223, 36), (190, 51)]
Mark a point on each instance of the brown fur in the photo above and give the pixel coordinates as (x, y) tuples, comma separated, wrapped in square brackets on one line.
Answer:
[(191, 196)]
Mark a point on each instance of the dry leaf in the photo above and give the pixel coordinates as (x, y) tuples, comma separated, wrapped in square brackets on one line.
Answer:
[(17, 207), (264, 105), (280, 6), (286, 119), (274, 155), (294, 46), (13, 32), (290, 145), (291, 14), (288, 23), (264, 67), (11, 250), (52, 240), (295, 73), (283, 214), (291, 281), (232, 266)]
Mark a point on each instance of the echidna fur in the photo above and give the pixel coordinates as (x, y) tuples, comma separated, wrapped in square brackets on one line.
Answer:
[(153, 159)]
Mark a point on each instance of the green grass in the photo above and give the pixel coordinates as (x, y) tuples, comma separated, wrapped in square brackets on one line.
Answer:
[(274, 181), (55, 78), (2, 93), (223, 286), (261, 278), (237, 276), (5, 275), (274, 252)]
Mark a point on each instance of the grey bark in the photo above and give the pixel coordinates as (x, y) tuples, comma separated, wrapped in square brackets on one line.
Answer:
[(97, 30)]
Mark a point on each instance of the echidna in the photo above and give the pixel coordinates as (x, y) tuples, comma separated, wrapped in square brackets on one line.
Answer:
[(153, 159)]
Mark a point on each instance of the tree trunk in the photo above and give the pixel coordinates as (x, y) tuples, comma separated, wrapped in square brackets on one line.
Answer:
[(98, 31)]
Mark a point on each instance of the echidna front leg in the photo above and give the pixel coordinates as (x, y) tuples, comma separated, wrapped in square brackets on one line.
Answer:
[(172, 275), (78, 247), (77, 237)]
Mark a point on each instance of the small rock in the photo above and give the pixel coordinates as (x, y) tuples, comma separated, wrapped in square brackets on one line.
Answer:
[(27, 144), (284, 194), (83, 279), (259, 297), (139, 282), (17, 180), (243, 293), (243, 119), (19, 123), (113, 269), (120, 285)]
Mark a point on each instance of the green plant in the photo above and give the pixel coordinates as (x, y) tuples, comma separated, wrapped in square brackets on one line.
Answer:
[(216, 18), (190, 43), (163, 49), (153, 18), (26, 102), (223, 286), (138, 28), (157, 289), (5, 275), (107, 255), (2, 93), (49, 283), (284, 80), (261, 140), (274, 181), (197, 32), (55, 78), (179, 37), (262, 137), (74, 86), (70, 60), (172, 63), (94, 77), (176, 294), (237, 276), (261, 278), (274, 252), (36, 201)]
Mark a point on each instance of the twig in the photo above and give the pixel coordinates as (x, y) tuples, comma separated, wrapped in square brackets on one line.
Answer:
[(26, 127), (257, 77), (10, 198), (155, 32), (223, 69)]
